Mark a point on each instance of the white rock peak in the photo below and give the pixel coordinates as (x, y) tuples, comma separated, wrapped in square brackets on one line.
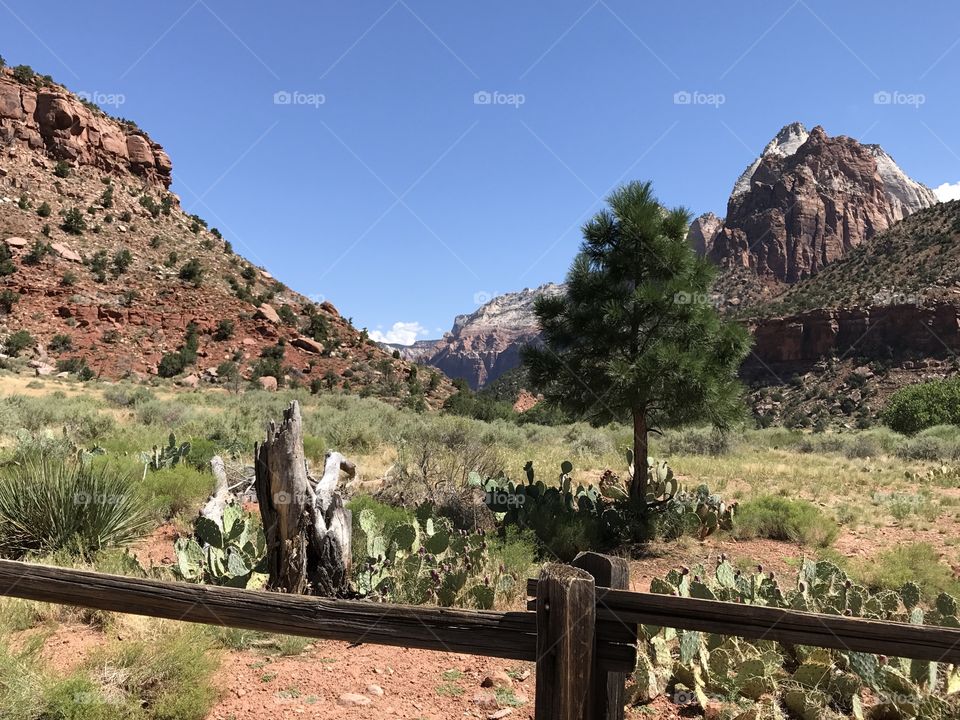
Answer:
[(785, 143)]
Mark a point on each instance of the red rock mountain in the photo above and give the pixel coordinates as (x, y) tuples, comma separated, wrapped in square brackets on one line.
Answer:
[(486, 343), (807, 201), (105, 267)]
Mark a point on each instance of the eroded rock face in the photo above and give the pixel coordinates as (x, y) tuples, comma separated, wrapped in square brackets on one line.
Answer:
[(703, 231), (56, 121), (884, 331), (808, 200), (485, 344)]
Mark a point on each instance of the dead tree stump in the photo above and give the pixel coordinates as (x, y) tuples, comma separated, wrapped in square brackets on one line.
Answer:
[(308, 529)]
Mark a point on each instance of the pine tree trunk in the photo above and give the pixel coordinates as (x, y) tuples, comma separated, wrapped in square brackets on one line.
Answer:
[(638, 486), (308, 530)]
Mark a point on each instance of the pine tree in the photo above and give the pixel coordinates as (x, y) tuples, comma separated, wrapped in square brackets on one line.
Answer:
[(636, 336)]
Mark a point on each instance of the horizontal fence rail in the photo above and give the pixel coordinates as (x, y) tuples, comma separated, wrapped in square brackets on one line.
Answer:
[(511, 635), (757, 622)]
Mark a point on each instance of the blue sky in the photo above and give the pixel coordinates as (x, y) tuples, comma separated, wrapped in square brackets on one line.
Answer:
[(381, 180)]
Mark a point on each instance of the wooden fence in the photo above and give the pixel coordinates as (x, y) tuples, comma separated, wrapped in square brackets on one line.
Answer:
[(581, 631)]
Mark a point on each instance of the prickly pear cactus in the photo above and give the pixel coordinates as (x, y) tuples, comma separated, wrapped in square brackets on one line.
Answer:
[(231, 553), (166, 457), (795, 681), (427, 561)]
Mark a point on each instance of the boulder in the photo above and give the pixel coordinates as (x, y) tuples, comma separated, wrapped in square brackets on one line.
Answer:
[(353, 700), (190, 381), (267, 382), (65, 252), (267, 312), (16, 242), (307, 344)]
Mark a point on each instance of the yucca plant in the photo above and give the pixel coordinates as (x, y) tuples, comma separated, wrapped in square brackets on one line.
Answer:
[(50, 503)]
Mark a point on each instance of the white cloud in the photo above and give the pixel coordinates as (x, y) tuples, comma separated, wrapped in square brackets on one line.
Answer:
[(948, 191), (402, 333)]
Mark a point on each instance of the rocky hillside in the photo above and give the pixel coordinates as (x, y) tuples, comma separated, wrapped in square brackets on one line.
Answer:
[(809, 200), (101, 267), (483, 345)]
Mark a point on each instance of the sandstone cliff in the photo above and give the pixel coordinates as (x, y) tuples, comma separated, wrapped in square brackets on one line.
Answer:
[(486, 343), (47, 118), (810, 199), (104, 267)]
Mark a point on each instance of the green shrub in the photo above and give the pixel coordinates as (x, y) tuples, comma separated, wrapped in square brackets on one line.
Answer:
[(697, 441), (38, 251), (7, 266), (17, 342), (780, 518), (164, 675), (224, 331), (125, 395), (171, 364), (918, 563), (60, 343), (74, 222), (122, 260), (62, 169), (49, 504), (924, 405), (76, 365), (24, 73), (181, 488), (8, 298), (192, 272)]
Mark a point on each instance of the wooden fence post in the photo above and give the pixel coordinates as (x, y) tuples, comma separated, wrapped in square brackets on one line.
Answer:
[(608, 689), (566, 622)]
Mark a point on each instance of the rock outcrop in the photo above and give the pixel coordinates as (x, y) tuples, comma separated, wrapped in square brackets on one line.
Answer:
[(884, 332), (703, 231), (46, 117), (134, 277), (485, 344), (808, 200)]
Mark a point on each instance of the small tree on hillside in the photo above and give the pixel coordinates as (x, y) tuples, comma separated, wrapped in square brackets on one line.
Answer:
[(635, 335)]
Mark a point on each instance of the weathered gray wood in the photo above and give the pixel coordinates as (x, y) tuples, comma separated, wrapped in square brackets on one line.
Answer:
[(308, 531), (566, 616), (506, 635), (608, 688), (213, 509), (918, 642)]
